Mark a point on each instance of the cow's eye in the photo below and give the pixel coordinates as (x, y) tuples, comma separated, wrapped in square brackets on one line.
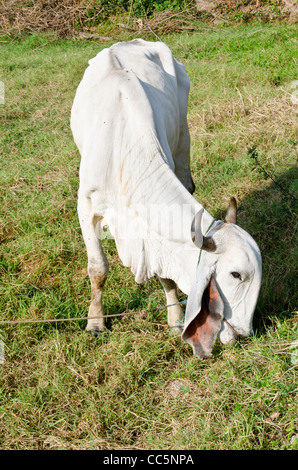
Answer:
[(236, 275)]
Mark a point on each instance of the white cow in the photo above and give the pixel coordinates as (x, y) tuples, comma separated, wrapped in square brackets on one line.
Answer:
[(129, 123)]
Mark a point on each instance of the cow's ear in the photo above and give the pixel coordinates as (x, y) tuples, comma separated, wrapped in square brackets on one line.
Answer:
[(203, 320)]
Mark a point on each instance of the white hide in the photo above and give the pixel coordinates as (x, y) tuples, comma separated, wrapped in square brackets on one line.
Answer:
[(129, 123)]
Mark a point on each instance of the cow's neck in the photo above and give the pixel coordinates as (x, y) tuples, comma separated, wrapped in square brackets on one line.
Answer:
[(156, 201), (177, 259), (166, 249)]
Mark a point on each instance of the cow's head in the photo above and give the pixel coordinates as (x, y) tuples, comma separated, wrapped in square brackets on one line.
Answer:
[(223, 297)]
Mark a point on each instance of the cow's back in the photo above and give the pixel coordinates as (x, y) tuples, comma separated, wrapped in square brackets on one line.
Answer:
[(133, 96)]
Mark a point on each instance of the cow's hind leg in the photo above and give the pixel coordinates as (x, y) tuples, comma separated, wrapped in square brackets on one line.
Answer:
[(175, 313), (98, 266)]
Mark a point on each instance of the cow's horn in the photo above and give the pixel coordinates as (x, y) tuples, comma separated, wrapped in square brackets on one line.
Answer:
[(208, 244), (231, 217), (202, 242)]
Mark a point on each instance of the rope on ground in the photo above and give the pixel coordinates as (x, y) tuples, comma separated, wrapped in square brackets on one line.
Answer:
[(52, 320)]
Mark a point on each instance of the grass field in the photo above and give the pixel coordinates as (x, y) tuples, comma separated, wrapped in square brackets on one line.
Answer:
[(136, 386)]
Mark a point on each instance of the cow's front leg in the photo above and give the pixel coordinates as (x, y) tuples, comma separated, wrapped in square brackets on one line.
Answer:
[(97, 275), (175, 313), (98, 266)]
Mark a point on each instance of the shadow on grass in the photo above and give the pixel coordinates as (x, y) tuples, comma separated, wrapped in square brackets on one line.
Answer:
[(270, 216)]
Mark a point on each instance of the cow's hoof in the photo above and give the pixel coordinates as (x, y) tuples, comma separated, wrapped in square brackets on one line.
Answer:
[(176, 330), (95, 332)]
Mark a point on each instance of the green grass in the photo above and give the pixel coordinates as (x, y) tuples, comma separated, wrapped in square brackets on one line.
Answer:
[(137, 387)]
